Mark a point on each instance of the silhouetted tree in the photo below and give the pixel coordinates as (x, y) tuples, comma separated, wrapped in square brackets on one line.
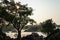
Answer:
[(16, 14), (32, 21), (48, 26)]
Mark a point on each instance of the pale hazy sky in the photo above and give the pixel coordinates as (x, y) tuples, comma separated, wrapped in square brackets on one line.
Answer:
[(44, 9)]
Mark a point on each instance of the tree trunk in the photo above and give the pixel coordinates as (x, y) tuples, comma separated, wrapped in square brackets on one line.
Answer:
[(19, 35)]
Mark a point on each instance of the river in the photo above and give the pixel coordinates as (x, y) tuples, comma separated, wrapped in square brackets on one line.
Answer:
[(14, 34)]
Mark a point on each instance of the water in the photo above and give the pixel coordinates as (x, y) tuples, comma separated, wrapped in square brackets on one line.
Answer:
[(14, 34)]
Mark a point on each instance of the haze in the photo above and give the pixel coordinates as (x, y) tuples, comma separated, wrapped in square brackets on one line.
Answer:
[(44, 9)]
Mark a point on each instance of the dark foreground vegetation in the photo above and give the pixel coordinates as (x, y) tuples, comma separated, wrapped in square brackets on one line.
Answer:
[(18, 15), (55, 35)]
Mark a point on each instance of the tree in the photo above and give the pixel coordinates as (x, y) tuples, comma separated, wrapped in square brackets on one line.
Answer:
[(32, 21), (16, 14), (48, 26)]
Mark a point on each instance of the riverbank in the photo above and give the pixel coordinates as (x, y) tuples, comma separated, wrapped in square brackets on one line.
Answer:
[(14, 34)]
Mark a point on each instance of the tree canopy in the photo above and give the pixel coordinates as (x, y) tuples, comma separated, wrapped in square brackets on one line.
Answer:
[(48, 26), (12, 11), (15, 13)]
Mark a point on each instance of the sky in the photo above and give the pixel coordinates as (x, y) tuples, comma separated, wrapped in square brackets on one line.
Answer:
[(44, 9)]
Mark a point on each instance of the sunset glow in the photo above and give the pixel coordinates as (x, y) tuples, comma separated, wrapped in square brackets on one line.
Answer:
[(44, 9)]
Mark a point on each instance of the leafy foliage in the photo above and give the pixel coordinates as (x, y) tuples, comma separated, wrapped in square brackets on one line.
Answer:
[(15, 13), (48, 26)]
